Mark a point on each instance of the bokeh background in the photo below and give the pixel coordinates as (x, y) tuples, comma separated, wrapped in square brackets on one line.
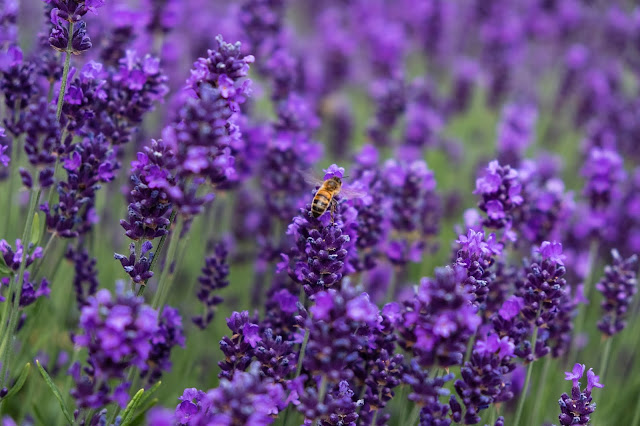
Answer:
[(461, 82)]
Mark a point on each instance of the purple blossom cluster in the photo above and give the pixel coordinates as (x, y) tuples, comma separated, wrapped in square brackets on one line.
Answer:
[(118, 332), (577, 408), (618, 286), (379, 292)]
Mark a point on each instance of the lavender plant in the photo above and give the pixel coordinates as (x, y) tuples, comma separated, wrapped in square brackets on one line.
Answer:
[(167, 258)]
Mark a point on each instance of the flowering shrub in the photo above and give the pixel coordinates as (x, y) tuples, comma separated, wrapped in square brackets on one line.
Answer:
[(361, 212)]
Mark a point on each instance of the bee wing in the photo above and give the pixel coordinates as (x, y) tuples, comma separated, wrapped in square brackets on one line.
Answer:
[(310, 178), (353, 192)]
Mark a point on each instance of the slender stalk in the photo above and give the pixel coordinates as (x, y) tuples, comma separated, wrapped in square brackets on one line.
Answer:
[(605, 358), (636, 414), (593, 250), (303, 348), (163, 285), (414, 416), (323, 389), (65, 72), (535, 419), (493, 414), (523, 395), (66, 392), (38, 265), (138, 254), (15, 290), (13, 171), (305, 340), (156, 255), (399, 277)]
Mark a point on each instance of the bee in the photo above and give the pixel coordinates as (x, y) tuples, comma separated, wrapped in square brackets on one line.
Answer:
[(324, 198)]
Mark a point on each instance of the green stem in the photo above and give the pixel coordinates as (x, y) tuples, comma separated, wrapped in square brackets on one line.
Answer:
[(303, 348), (399, 277), (65, 72), (323, 389), (636, 414), (40, 261), (15, 290), (13, 171), (138, 252), (493, 414), (523, 395), (605, 358), (574, 352), (535, 419), (415, 414), (305, 340), (66, 394), (163, 285), (156, 255)]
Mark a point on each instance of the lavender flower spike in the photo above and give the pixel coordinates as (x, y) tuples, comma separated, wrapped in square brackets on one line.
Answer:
[(577, 408), (618, 286)]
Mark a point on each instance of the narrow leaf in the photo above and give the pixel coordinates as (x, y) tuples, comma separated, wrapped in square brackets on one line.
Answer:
[(37, 413), (36, 230), (139, 418), (4, 269), (128, 415), (19, 382), (56, 392), (148, 393), (131, 407)]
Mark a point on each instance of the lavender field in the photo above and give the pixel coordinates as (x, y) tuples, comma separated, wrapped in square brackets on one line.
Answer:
[(338, 212)]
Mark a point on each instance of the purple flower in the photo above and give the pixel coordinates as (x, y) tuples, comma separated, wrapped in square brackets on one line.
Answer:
[(337, 407), (4, 158), (168, 335), (415, 206), (59, 37), (439, 320), (362, 310), (149, 204), (320, 258), (511, 307), (332, 171), (576, 374), (130, 92), (73, 214), (603, 171), (552, 251), (117, 333), (224, 68), (213, 279), (577, 408), (245, 399), (85, 279), (237, 349), (500, 189), (12, 258), (484, 376), (477, 256), (618, 286), (31, 291), (335, 336), (137, 266), (390, 97), (516, 130), (426, 391), (542, 300)]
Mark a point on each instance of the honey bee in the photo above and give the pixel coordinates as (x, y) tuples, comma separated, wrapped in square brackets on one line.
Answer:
[(324, 198)]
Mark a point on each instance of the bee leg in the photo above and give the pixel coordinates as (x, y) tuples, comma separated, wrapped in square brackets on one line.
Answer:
[(333, 209)]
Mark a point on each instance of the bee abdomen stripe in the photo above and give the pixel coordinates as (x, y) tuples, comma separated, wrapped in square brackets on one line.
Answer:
[(322, 196)]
